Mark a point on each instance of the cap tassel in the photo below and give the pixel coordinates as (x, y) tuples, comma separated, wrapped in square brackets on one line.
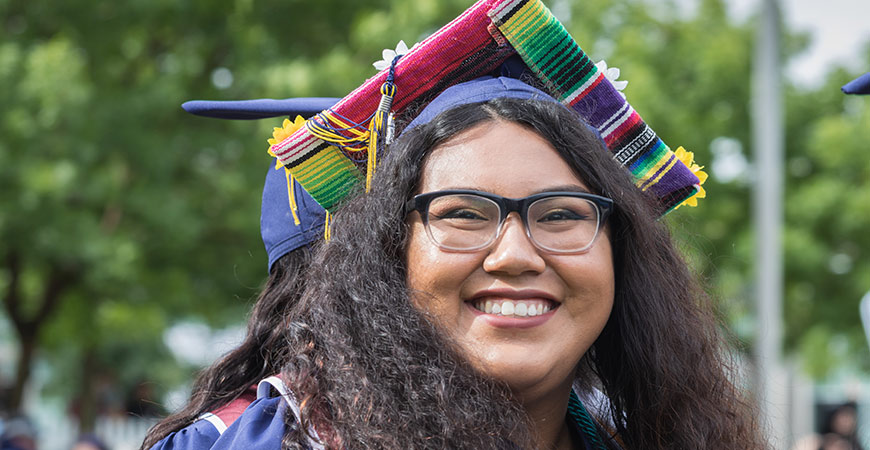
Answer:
[(291, 192), (378, 127), (380, 123), (326, 232)]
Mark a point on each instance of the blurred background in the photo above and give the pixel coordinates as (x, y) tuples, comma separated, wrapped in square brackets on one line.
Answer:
[(129, 231)]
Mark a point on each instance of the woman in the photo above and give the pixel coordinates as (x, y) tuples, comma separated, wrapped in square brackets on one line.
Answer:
[(426, 323)]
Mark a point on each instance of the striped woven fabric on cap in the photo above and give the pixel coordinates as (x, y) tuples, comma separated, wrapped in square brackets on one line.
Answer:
[(462, 50), (571, 77)]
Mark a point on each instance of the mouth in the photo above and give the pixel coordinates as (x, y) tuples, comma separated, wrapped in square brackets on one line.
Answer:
[(513, 304), (514, 308)]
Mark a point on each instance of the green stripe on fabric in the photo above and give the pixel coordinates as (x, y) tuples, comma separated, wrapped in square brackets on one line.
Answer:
[(337, 189), (325, 165), (545, 50), (323, 174), (529, 19), (330, 194), (651, 158), (339, 186)]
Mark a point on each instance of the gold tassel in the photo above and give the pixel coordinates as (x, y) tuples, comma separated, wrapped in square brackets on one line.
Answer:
[(378, 127), (291, 192), (326, 232)]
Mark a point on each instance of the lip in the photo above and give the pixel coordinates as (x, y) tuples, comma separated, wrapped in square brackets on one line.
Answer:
[(510, 322), (512, 294)]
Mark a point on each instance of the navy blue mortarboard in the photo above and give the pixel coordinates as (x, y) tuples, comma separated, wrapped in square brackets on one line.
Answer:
[(260, 108), (281, 234), (289, 217), (858, 86)]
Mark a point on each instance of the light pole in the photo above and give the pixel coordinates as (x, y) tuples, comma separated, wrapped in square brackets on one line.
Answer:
[(767, 117)]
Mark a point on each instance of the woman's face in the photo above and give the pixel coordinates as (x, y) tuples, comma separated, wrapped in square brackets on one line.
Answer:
[(534, 355)]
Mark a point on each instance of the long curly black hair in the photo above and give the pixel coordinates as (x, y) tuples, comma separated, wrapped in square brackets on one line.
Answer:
[(260, 355), (371, 372)]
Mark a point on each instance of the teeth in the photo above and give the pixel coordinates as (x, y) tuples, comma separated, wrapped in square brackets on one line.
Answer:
[(517, 308), (507, 308)]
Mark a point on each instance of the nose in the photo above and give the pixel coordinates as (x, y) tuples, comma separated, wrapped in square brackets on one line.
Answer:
[(513, 253)]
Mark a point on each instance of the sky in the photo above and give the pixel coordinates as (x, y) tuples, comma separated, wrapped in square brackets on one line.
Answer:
[(839, 29)]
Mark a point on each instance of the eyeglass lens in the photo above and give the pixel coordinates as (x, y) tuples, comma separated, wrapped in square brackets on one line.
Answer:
[(470, 222)]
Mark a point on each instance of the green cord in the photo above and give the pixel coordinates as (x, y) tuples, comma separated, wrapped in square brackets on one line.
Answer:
[(577, 412)]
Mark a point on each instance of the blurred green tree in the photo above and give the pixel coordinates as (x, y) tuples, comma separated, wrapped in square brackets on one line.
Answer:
[(121, 215)]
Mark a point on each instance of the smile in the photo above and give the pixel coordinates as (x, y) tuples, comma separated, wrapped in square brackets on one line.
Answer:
[(514, 308)]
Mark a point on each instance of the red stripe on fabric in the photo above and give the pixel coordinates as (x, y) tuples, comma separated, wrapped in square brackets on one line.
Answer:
[(629, 123), (232, 410), (298, 143), (582, 95)]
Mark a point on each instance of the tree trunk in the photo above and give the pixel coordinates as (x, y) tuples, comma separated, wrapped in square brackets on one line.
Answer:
[(27, 341), (87, 400), (57, 280)]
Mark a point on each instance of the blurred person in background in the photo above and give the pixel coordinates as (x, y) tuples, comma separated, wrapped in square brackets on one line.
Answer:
[(840, 429), (89, 442), (17, 433)]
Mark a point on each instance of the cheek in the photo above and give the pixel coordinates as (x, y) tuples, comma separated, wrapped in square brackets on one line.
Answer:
[(591, 285), (424, 278), (434, 277)]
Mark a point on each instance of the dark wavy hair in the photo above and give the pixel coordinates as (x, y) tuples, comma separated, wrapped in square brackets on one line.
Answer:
[(260, 355), (371, 371)]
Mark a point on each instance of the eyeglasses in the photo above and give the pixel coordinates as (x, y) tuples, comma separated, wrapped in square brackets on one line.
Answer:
[(555, 222)]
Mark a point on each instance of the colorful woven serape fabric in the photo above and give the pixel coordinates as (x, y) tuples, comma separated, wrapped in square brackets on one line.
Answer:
[(472, 45), (572, 78), (462, 50)]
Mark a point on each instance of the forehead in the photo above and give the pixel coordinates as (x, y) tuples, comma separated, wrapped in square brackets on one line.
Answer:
[(501, 157)]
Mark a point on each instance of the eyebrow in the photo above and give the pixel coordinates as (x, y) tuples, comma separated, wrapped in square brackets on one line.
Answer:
[(563, 188), (559, 188)]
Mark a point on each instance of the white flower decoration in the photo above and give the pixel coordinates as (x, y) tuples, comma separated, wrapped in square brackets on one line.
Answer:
[(389, 55), (612, 75)]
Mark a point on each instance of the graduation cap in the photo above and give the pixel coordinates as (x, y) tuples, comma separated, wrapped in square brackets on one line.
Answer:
[(858, 86), (289, 217), (338, 147)]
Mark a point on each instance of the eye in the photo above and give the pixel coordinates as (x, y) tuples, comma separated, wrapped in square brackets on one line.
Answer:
[(460, 214), (561, 215)]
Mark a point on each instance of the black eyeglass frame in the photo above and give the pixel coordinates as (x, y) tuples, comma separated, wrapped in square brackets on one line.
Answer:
[(421, 202)]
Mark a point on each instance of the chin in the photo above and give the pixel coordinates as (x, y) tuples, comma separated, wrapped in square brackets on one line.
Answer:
[(524, 374)]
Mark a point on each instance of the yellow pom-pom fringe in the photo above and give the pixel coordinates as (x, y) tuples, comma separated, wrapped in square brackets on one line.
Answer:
[(688, 158), (286, 129)]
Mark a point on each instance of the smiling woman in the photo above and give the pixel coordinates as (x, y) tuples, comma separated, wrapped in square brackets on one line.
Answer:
[(415, 335), (504, 280)]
